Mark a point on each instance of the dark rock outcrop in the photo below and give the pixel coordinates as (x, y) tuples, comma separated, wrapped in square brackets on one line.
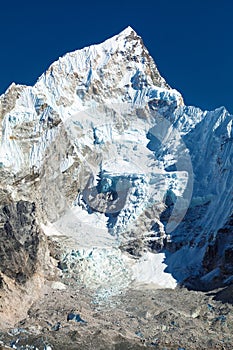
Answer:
[(19, 240)]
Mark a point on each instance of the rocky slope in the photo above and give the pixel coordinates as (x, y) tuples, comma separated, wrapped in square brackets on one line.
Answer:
[(139, 319), (24, 259)]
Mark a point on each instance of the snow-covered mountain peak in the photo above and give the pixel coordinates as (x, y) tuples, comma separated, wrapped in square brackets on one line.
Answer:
[(118, 70), (113, 157), (128, 30)]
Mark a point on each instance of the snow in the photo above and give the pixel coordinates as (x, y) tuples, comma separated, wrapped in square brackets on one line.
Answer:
[(66, 163), (58, 285), (150, 269), (85, 230), (108, 270)]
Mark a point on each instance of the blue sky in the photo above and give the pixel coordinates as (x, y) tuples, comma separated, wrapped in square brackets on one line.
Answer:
[(190, 41)]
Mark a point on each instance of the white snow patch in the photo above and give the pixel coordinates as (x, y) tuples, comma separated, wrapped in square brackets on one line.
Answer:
[(87, 230), (66, 163), (58, 285), (150, 269)]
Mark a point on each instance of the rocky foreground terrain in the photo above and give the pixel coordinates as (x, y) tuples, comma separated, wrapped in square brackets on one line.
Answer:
[(69, 317)]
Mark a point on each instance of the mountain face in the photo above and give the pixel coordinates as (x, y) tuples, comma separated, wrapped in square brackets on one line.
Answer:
[(102, 158)]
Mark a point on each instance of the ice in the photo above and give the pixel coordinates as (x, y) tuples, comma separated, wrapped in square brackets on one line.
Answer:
[(150, 269), (66, 163)]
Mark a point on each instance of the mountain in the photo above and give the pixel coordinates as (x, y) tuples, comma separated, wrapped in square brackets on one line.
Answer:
[(107, 177)]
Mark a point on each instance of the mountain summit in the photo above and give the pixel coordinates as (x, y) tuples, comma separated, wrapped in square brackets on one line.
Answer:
[(109, 179)]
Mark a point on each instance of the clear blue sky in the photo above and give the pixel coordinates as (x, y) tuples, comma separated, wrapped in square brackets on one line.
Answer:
[(191, 41)]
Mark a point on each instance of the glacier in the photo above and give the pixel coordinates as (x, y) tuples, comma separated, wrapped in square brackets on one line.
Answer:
[(118, 164)]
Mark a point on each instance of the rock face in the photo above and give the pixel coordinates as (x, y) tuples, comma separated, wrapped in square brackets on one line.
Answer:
[(101, 153), (24, 255), (19, 240)]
